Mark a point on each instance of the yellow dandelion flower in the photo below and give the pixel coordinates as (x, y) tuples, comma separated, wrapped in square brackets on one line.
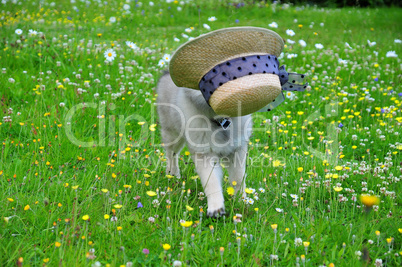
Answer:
[(27, 207), (300, 169), (166, 246), (248, 191), (151, 193), (369, 201), (104, 190), (306, 244), (338, 168), (274, 226), (106, 216), (189, 208), (57, 244), (338, 189), (10, 199), (85, 217), (118, 206), (186, 223), (230, 190), (377, 233)]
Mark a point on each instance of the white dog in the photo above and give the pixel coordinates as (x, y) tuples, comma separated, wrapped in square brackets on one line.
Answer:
[(186, 118)]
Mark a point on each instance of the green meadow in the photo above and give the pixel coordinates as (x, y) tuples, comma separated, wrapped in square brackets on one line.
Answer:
[(82, 168)]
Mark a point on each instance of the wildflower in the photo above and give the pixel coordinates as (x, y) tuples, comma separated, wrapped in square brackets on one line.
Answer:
[(106, 216), (110, 54), (139, 205), (298, 241), (189, 208), (279, 210), (18, 31), (371, 43), (300, 169), (274, 226), (177, 263), (290, 32), (398, 41), (27, 207), (104, 190), (57, 244), (273, 25), (10, 199), (151, 193), (206, 26), (166, 247), (391, 54), (131, 45), (186, 224), (126, 7), (85, 217), (319, 46), (302, 43), (230, 190), (145, 251), (378, 262), (337, 189), (32, 33), (212, 19), (118, 206), (112, 19), (369, 201)]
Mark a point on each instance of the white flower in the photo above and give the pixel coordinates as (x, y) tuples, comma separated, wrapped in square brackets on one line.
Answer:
[(378, 262), (126, 7), (290, 41), (290, 32), (112, 19), (184, 35), (341, 61), (273, 25), (279, 210), (188, 30), (274, 257), (319, 46), (206, 26), (298, 241), (398, 41), (151, 3), (131, 45), (250, 201), (11, 80), (322, 24), (177, 263), (212, 19), (32, 33), (18, 31), (294, 196), (391, 54), (375, 52), (371, 43), (348, 46), (358, 253), (161, 63), (290, 56), (176, 39), (110, 54), (290, 95), (166, 57), (302, 43), (262, 190)]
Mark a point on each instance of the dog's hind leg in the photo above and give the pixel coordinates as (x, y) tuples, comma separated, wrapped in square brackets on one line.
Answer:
[(237, 170), (210, 172)]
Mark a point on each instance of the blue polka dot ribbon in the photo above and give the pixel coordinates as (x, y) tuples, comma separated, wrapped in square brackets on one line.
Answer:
[(249, 65)]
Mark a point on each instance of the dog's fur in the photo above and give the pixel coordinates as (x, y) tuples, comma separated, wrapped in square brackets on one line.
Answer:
[(186, 118)]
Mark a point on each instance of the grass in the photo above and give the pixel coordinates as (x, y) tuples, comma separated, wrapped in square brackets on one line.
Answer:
[(73, 175)]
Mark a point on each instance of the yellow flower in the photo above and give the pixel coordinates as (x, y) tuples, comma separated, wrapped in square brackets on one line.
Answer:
[(274, 226), (104, 190), (338, 189), (119, 228), (400, 230), (369, 201), (230, 191), (389, 240), (306, 244), (189, 208), (166, 246), (248, 191), (300, 169), (106, 216), (377, 233), (169, 176), (287, 229), (57, 244), (59, 205), (338, 168), (10, 199), (85, 217), (75, 187), (151, 193), (118, 206), (46, 260), (186, 223), (27, 207)]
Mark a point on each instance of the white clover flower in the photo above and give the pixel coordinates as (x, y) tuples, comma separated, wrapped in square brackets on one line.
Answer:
[(126, 7), (290, 32), (298, 241), (391, 54), (112, 19), (319, 46), (273, 25)]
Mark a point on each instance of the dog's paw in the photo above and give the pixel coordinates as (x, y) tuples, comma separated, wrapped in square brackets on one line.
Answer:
[(216, 212)]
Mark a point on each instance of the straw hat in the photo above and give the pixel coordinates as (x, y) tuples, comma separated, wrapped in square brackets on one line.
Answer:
[(236, 69)]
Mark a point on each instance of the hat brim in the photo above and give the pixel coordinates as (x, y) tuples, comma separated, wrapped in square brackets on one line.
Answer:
[(194, 59)]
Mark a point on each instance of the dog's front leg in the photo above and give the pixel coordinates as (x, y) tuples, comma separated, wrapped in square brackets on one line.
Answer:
[(237, 170), (210, 172)]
